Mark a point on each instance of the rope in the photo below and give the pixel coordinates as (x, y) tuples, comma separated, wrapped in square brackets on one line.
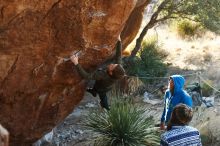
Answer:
[(155, 90), (197, 74), (208, 84), (144, 77), (137, 77)]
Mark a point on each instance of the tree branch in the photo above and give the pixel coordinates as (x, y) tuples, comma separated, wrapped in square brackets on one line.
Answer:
[(150, 24)]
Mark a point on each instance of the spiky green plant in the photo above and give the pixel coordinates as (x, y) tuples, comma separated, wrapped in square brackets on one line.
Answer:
[(124, 125)]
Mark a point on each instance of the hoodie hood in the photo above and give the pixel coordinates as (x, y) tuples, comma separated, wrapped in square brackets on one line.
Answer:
[(179, 82)]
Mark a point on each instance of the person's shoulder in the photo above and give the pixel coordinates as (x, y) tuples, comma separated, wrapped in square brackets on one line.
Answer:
[(186, 95), (168, 134), (183, 93), (190, 128)]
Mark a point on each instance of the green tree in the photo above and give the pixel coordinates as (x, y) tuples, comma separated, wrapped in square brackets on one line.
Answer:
[(206, 12)]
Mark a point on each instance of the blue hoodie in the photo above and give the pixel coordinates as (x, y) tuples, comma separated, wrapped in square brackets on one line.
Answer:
[(179, 96)]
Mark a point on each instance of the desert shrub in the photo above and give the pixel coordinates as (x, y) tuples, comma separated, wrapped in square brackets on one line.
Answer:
[(124, 125), (205, 139), (149, 61), (187, 28), (126, 87), (207, 57), (206, 89), (209, 139)]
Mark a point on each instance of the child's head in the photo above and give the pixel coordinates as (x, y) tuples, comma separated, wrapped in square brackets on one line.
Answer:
[(181, 115), (116, 71)]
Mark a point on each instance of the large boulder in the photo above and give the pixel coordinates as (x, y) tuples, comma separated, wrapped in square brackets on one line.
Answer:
[(37, 88)]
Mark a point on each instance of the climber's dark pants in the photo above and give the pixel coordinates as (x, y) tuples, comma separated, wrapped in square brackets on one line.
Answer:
[(104, 100), (103, 97)]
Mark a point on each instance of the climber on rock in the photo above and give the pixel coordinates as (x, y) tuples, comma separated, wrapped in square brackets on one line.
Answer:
[(104, 77)]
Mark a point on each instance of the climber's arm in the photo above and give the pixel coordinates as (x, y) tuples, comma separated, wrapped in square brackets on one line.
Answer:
[(97, 75), (118, 53)]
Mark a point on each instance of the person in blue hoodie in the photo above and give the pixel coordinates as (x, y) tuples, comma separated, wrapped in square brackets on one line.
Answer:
[(174, 95)]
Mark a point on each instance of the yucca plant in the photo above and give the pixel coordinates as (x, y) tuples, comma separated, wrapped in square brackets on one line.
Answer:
[(124, 125)]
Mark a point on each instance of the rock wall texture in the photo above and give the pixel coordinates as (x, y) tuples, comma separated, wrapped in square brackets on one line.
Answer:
[(37, 88), (133, 23)]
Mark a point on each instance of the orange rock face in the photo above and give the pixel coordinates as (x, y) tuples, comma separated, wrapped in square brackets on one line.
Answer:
[(37, 88)]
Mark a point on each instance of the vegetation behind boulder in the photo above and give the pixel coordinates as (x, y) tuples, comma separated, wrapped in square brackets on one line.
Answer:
[(187, 29), (206, 89), (149, 61)]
